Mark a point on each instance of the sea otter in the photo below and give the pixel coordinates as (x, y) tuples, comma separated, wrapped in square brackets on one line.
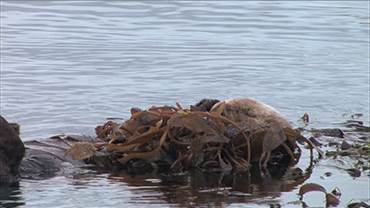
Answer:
[(41, 159), (249, 114), (11, 152), (47, 156)]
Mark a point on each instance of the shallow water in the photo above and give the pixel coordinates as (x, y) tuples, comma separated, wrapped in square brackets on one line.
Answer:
[(66, 66)]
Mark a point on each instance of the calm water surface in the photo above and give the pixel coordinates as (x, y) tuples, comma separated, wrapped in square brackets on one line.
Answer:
[(67, 66)]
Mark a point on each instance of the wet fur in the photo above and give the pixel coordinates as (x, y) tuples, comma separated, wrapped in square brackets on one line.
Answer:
[(11, 152), (206, 104), (251, 114)]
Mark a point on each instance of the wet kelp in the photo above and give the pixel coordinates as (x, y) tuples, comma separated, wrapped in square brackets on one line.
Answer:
[(181, 139), (346, 149), (332, 199)]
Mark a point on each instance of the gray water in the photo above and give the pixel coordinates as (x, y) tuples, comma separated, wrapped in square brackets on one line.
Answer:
[(67, 66)]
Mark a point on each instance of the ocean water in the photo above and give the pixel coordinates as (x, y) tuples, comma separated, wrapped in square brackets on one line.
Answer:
[(66, 66)]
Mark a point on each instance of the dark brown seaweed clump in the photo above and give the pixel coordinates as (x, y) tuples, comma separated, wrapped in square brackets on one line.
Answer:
[(181, 139)]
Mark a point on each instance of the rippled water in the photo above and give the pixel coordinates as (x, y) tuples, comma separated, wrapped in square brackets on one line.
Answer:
[(66, 66)]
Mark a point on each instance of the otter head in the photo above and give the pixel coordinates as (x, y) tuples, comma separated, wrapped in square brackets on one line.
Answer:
[(11, 152), (206, 104)]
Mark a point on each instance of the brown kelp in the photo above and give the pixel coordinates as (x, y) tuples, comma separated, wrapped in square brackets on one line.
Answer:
[(332, 199), (182, 139)]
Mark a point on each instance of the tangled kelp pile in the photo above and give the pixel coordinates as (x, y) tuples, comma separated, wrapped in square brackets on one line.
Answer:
[(181, 139)]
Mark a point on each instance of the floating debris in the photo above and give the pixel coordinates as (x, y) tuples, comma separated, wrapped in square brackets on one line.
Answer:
[(329, 132), (305, 118), (354, 172), (331, 199), (357, 115), (345, 146), (358, 205)]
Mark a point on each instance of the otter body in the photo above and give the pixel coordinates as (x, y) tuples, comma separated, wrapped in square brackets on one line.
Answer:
[(11, 152), (41, 159), (251, 114), (45, 158)]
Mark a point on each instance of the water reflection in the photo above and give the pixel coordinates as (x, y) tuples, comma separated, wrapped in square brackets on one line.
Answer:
[(193, 188), (11, 196), (197, 188)]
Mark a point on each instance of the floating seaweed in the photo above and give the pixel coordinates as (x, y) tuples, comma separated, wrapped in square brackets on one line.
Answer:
[(332, 199), (182, 139)]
